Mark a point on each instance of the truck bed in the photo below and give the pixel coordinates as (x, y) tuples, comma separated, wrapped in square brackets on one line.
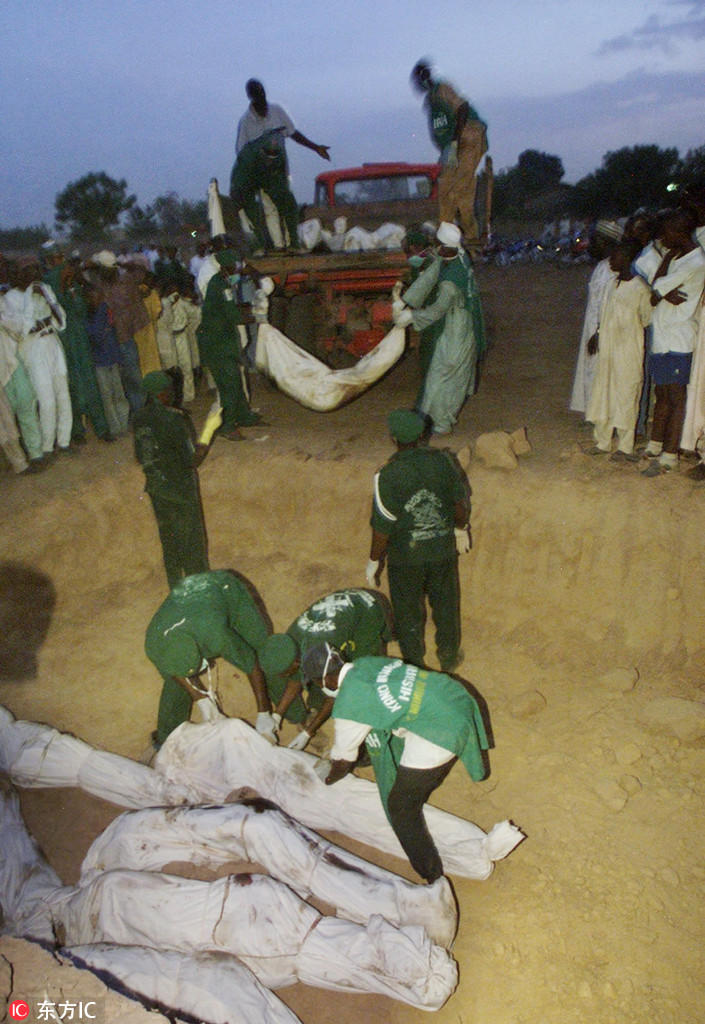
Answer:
[(333, 272)]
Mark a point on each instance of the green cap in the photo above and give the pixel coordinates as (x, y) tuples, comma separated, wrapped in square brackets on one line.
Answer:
[(157, 381), (227, 257), (406, 426), (277, 654)]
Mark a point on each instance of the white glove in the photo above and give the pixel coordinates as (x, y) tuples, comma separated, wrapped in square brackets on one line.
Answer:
[(371, 572), (213, 421), (404, 317), (396, 291), (322, 768), (452, 159), (266, 726), (300, 741), (462, 540)]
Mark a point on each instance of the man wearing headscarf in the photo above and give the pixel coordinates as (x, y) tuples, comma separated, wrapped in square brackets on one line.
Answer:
[(461, 136), (420, 523), (445, 297)]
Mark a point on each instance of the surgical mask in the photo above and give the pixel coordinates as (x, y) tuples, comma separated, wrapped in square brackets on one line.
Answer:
[(328, 693)]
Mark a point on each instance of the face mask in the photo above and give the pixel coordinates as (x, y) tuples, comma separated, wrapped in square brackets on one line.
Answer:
[(415, 261), (328, 693)]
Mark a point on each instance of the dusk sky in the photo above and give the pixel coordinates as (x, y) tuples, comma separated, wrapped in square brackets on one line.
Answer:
[(152, 90)]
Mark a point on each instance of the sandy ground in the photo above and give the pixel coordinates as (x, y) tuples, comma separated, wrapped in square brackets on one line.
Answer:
[(582, 618)]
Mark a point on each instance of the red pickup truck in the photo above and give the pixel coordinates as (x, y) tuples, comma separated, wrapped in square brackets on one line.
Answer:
[(336, 304)]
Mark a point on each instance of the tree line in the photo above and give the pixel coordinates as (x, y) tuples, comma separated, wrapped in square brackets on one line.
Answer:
[(635, 176), (628, 178), (88, 210)]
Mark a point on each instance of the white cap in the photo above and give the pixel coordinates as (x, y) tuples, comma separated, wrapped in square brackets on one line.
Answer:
[(449, 234), (105, 258)]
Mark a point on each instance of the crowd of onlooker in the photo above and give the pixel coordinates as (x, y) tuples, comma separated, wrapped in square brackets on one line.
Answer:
[(640, 373), (78, 334)]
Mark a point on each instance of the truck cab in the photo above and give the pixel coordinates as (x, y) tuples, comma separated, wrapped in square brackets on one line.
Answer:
[(374, 194)]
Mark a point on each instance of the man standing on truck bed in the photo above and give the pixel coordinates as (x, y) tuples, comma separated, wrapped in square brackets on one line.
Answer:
[(261, 160), (461, 137)]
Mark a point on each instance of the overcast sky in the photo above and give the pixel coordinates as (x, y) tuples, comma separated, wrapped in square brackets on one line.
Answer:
[(151, 90)]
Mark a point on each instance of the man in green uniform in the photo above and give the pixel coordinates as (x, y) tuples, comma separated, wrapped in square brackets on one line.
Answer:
[(461, 137), (166, 447), (420, 522), (357, 622), (220, 348), (206, 616), (415, 725)]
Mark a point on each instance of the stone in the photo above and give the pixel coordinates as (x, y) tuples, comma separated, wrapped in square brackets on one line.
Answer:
[(627, 754), (520, 442), (464, 457), (611, 794), (495, 450), (630, 784), (621, 680)]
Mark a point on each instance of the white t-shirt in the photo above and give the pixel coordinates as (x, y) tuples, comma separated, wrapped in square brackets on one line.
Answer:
[(252, 126)]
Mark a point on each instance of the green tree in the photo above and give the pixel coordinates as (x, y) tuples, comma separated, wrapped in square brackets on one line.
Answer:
[(693, 167), (537, 172), (92, 204), (176, 216), (141, 224), (630, 177), (19, 239), (536, 176)]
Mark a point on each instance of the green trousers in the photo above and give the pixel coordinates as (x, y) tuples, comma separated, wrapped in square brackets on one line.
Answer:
[(23, 402), (83, 385), (182, 533), (409, 586), (256, 169), (228, 379)]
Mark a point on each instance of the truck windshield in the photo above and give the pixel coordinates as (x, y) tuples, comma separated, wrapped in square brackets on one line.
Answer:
[(382, 190)]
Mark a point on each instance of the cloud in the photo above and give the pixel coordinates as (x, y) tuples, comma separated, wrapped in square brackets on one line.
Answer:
[(657, 34)]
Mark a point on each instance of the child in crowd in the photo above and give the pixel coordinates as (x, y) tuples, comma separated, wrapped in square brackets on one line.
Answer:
[(607, 234), (619, 346), (172, 337)]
